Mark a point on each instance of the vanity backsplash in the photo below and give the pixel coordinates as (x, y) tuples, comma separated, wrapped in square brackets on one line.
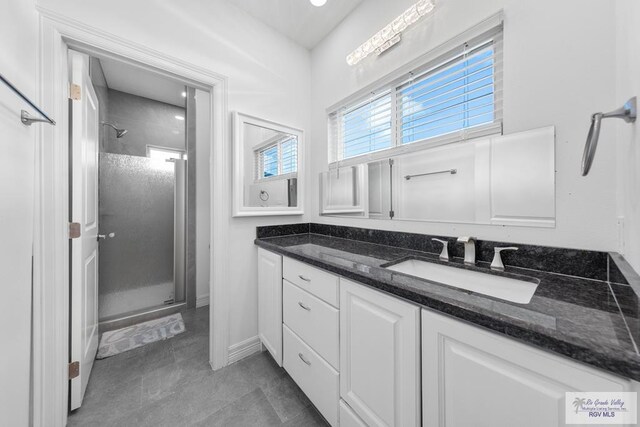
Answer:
[(572, 262)]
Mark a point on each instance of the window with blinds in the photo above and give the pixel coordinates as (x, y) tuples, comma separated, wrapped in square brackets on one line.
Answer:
[(457, 96), (277, 159)]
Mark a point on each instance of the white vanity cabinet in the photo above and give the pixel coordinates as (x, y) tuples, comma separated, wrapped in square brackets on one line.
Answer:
[(356, 353), (474, 377), (379, 356), (270, 302)]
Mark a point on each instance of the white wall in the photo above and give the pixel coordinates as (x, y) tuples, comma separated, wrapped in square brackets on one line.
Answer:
[(203, 199), (558, 70), (18, 44), (628, 141), (269, 77)]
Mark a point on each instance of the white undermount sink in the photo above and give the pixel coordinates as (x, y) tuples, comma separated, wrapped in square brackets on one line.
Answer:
[(506, 288)]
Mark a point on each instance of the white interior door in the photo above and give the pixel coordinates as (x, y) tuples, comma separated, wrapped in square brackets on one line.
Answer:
[(84, 211)]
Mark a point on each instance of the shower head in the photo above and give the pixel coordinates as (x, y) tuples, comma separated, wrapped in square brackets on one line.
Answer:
[(119, 132)]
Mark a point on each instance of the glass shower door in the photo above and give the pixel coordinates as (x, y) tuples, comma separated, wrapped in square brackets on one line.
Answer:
[(142, 203)]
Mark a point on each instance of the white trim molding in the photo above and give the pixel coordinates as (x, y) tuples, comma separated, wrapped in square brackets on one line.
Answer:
[(202, 301), (244, 349), (238, 185), (51, 263)]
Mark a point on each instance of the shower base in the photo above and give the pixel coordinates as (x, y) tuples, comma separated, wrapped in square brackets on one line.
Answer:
[(138, 316)]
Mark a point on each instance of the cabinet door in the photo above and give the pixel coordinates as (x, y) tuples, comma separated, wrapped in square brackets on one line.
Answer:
[(348, 418), (270, 302), (473, 377), (379, 356)]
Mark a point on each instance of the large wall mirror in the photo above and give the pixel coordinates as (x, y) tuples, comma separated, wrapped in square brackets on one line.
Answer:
[(501, 180), (267, 178)]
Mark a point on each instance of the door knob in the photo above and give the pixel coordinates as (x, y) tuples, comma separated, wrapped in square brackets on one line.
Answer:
[(103, 236)]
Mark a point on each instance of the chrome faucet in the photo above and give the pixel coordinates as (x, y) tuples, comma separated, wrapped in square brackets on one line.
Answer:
[(469, 249), (497, 264), (444, 255)]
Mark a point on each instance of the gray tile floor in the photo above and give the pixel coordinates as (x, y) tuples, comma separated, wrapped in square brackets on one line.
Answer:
[(170, 383)]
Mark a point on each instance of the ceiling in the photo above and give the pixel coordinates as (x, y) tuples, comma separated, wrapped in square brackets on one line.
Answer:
[(299, 20), (137, 81)]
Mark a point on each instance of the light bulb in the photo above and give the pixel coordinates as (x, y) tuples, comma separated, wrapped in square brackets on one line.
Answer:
[(387, 32), (318, 3), (411, 15), (424, 7), (398, 24), (376, 41), (389, 35), (367, 47)]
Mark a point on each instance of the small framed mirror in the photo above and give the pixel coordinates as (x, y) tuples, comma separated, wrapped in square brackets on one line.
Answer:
[(267, 160)]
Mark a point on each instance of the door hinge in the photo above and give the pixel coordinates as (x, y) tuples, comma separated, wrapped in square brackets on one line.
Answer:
[(74, 230), (391, 214), (74, 92), (74, 370)]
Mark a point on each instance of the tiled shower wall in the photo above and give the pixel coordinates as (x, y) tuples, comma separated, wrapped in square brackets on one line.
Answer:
[(148, 122)]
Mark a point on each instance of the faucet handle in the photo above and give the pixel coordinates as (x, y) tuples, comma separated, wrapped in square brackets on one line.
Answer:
[(497, 264), (466, 239), (444, 255)]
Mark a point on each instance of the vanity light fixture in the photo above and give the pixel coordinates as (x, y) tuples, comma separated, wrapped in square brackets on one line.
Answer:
[(180, 117), (390, 35), (318, 3), (184, 94)]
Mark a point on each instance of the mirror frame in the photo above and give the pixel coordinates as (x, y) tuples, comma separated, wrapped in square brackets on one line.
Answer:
[(239, 210)]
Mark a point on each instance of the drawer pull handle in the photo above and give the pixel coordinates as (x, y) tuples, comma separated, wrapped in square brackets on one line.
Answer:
[(303, 305), (303, 278), (303, 359)]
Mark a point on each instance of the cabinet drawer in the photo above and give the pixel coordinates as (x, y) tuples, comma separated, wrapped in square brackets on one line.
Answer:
[(317, 282), (348, 418), (313, 320), (317, 379)]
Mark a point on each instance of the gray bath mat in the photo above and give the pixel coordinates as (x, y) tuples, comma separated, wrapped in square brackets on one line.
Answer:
[(125, 339)]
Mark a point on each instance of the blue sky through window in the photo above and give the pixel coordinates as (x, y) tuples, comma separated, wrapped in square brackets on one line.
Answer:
[(289, 156), (458, 96), (270, 162), (279, 159), (367, 128)]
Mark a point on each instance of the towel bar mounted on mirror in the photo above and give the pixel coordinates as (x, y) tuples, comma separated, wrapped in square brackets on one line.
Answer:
[(450, 171), (25, 117), (628, 112)]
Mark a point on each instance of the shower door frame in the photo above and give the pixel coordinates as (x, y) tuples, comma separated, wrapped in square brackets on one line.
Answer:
[(50, 380)]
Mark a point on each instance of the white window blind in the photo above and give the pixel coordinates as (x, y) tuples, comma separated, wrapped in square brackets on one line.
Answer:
[(277, 159), (454, 97)]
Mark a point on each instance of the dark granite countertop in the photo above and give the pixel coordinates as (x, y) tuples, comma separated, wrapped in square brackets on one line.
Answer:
[(575, 317)]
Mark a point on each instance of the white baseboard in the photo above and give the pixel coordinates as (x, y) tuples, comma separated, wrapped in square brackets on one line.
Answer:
[(244, 348), (201, 301)]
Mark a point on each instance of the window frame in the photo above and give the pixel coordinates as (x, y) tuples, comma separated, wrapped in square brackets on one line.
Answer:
[(181, 153), (488, 33), (278, 141)]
